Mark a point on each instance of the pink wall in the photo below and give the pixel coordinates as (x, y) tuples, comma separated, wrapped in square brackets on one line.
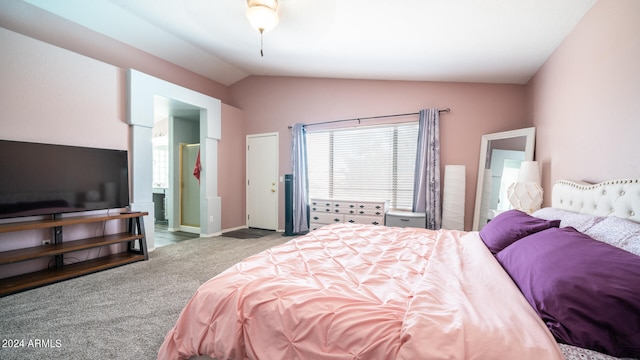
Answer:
[(76, 38), (272, 103), (584, 101), (585, 95), (232, 168), (42, 101)]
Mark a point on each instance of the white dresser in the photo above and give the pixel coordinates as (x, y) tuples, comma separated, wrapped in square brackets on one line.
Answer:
[(329, 211)]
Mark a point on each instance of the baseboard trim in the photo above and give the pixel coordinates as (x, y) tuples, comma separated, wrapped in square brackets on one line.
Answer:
[(234, 229)]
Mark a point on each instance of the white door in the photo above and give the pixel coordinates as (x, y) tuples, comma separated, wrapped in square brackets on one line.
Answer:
[(262, 181)]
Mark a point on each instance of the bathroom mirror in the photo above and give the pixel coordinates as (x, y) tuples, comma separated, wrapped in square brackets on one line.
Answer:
[(500, 157)]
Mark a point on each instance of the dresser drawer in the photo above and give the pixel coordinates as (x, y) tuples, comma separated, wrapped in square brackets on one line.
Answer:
[(325, 218), (321, 205), (321, 209), (344, 207), (371, 206), (359, 219), (321, 202), (369, 212)]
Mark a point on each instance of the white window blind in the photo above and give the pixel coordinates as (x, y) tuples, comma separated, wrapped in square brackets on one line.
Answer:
[(366, 163)]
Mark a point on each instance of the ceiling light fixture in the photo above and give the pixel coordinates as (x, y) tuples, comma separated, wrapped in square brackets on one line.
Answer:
[(263, 16)]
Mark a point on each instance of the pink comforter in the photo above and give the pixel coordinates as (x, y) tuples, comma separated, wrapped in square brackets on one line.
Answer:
[(363, 292)]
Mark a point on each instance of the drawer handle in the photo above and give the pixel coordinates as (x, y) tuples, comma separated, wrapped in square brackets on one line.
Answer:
[(336, 205), (377, 212), (361, 212), (337, 210), (327, 210), (336, 220), (377, 206), (315, 218), (375, 223), (352, 206), (401, 219), (361, 206), (352, 221)]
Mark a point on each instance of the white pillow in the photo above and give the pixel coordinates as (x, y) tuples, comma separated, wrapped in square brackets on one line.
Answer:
[(621, 233), (581, 222)]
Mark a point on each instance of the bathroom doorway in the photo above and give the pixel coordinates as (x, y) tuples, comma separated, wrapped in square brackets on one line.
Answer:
[(142, 97), (190, 187), (176, 136)]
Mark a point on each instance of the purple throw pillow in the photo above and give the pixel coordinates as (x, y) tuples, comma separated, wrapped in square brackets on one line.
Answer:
[(511, 226), (587, 292)]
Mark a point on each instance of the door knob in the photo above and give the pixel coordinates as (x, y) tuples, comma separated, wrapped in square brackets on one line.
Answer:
[(273, 190)]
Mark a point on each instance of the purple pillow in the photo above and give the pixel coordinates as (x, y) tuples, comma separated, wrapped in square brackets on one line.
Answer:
[(511, 226), (587, 292)]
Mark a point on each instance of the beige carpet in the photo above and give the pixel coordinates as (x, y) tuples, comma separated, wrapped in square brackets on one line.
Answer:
[(249, 233), (121, 313)]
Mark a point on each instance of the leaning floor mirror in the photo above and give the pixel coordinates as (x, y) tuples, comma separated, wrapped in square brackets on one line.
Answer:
[(500, 157)]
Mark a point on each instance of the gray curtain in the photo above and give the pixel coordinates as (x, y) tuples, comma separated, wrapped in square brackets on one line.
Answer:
[(426, 185), (300, 181)]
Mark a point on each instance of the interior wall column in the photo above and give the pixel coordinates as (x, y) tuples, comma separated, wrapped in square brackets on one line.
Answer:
[(210, 133), (140, 118)]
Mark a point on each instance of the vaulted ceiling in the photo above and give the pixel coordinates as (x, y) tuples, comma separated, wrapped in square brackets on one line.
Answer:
[(495, 41)]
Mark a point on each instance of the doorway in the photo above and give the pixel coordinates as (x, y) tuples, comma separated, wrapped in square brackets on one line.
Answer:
[(176, 136), (189, 188), (143, 90), (262, 181)]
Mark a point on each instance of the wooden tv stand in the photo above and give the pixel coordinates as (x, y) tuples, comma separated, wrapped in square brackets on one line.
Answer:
[(57, 249)]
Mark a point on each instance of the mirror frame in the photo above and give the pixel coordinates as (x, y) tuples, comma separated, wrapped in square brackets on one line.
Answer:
[(529, 133)]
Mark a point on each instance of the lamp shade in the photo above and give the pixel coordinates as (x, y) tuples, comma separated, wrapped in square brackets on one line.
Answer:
[(529, 172), (453, 197), (262, 14)]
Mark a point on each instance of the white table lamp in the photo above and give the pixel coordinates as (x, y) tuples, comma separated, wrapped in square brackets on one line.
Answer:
[(526, 194)]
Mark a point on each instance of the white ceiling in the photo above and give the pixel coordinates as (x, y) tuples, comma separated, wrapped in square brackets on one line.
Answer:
[(495, 41)]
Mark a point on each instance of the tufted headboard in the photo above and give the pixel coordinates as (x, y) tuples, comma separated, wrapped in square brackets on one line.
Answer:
[(620, 198)]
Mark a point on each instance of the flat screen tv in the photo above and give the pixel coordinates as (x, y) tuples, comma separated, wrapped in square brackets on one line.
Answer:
[(46, 179)]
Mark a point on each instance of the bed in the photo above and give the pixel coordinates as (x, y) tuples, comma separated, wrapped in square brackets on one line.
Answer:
[(519, 289)]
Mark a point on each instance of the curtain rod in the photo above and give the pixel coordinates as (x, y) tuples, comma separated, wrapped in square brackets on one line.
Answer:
[(368, 118)]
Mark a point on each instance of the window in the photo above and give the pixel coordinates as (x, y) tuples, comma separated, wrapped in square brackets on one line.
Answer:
[(367, 163), (160, 155)]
